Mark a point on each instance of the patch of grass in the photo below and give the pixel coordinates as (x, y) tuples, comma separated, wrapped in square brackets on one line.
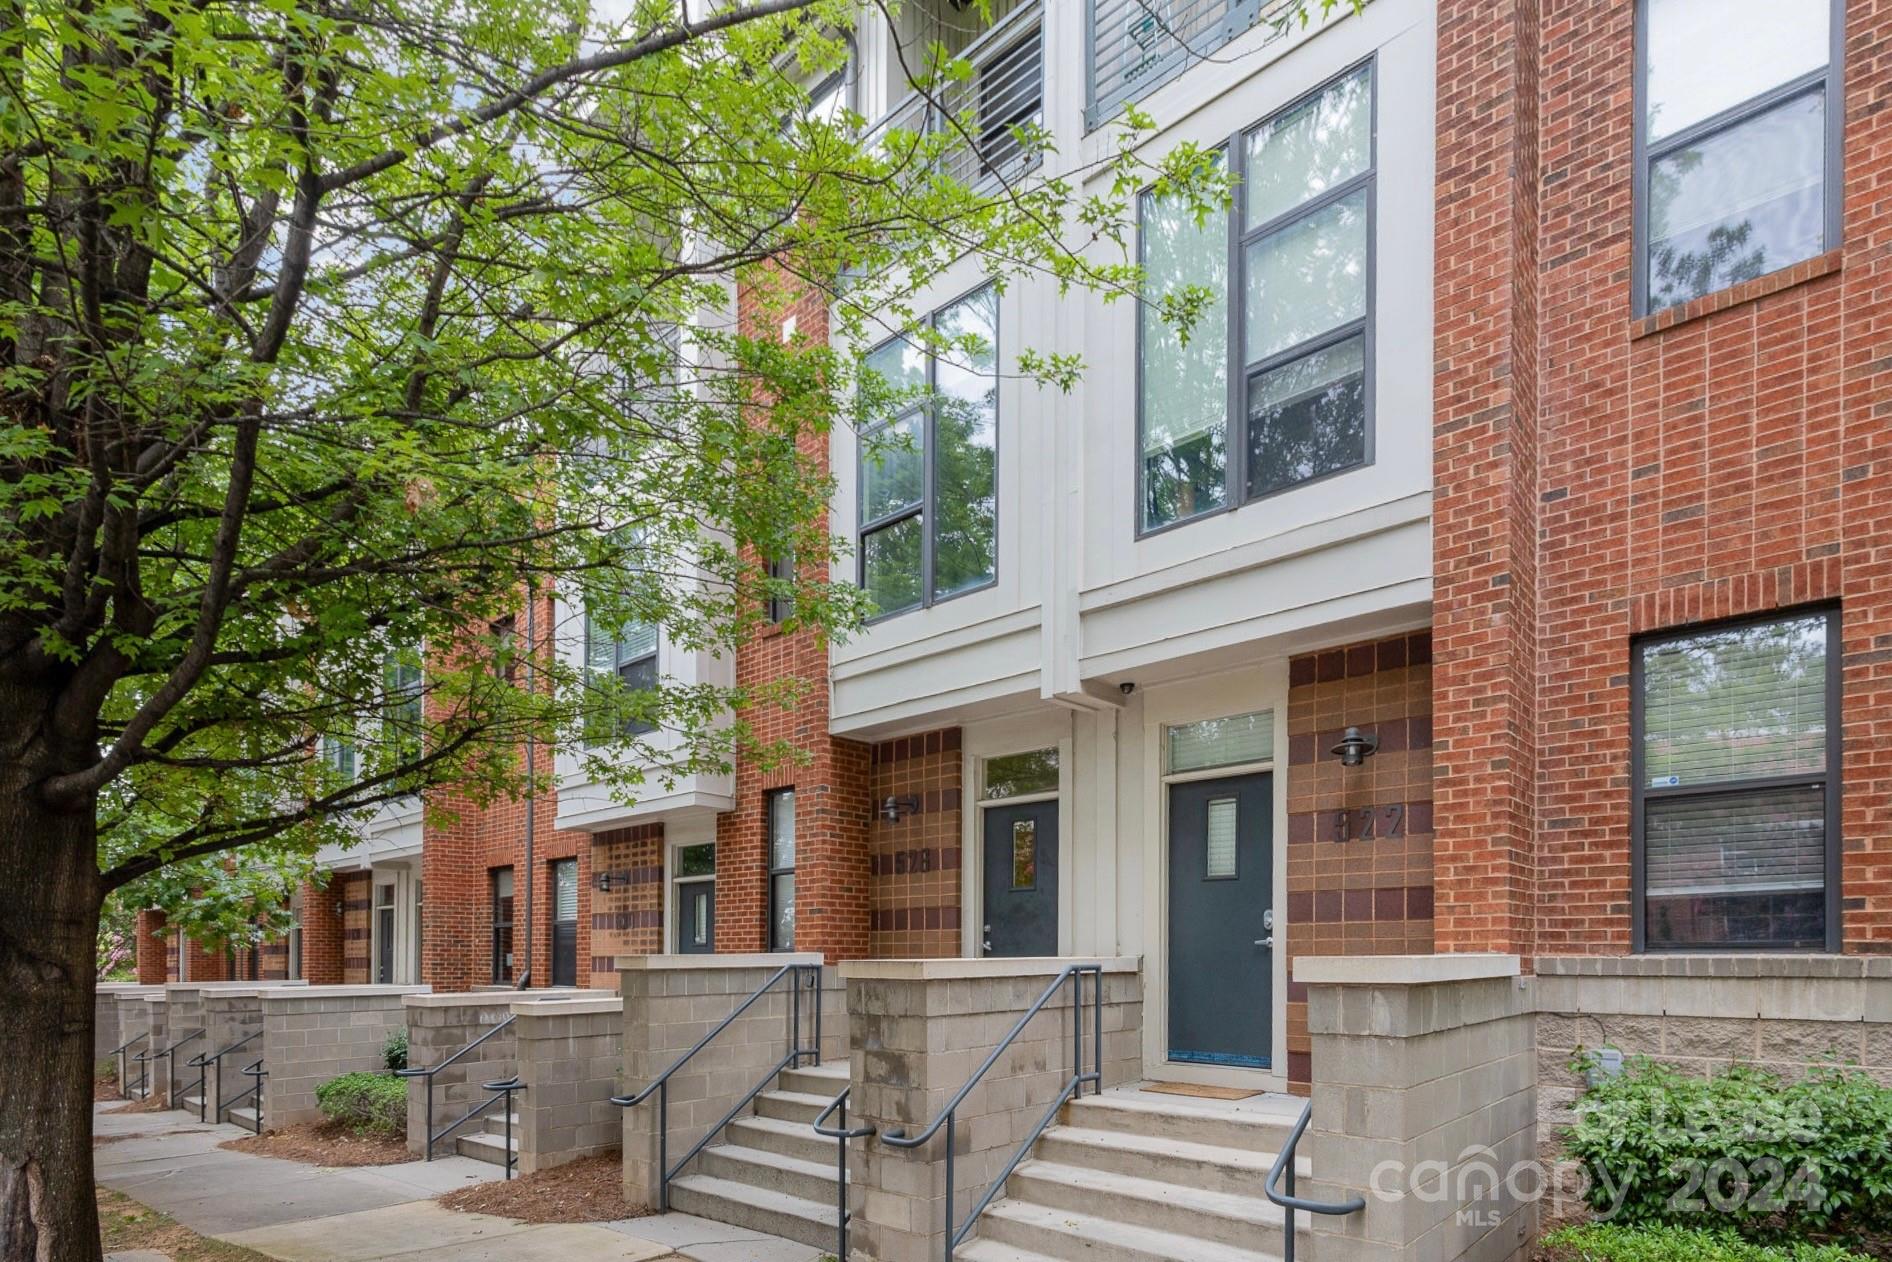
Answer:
[(1609, 1242), (127, 1224)]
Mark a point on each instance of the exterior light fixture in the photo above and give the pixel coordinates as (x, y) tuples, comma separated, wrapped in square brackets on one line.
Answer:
[(607, 881), (1355, 747), (893, 808)]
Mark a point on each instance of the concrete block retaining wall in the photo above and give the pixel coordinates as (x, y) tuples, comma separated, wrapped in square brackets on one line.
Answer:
[(1425, 1105), (107, 1000), (438, 1027), (672, 1001), (570, 1058), (919, 1029), (314, 1033), (230, 1016)]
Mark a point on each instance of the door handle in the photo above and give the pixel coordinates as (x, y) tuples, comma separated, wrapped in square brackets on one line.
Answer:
[(1266, 942)]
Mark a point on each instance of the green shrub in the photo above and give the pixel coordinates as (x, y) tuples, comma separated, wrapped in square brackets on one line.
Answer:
[(394, 1051), (1740, 1149), (365, 1102), (1610, 1242)]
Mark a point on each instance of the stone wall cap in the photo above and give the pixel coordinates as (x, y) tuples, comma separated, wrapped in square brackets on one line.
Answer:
[(454, 999), (566, 1007), (1046, 966), (341, 992), (238, 986), (127, 989), (773, 959), (157, 996), (1791, 965), (1403, 970)]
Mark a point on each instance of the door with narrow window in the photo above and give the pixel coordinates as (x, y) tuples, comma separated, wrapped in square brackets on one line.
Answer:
[(1221, 934), (384, 933), (1021, 880), (565, 922), (696, 899)]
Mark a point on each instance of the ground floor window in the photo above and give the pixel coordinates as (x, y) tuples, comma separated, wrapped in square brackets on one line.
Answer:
[(1735, 776), (384, 933), (565, 922), (502, 925), (781, 829)]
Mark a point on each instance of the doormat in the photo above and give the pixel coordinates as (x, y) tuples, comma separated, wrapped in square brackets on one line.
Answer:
[(1199, 1092)]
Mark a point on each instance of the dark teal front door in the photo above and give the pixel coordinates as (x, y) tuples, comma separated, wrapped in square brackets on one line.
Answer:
[(1021, 879), (1221, 956), (696, 917)]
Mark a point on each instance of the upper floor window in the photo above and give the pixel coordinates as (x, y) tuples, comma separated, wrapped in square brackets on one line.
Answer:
[(505, 633), (339, 756), (622, 664), (1738, 121), (1293, 325), (781, 604), (1735, 774), (405, 707), (928, 502)]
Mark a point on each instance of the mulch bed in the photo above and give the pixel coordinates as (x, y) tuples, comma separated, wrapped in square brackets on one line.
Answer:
[(588, 1190), (325, 1144)]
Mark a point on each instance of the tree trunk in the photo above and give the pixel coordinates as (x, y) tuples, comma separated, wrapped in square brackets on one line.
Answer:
[(49, 910)]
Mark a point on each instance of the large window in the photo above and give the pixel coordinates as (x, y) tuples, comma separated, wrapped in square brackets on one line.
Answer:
[(1736, 781), (1291, 327), (406, 711), (620, 666), (780, 806), (1738, 122), (928, 474)]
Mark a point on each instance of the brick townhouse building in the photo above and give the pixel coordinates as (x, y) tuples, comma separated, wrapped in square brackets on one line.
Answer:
[(1505, 565)]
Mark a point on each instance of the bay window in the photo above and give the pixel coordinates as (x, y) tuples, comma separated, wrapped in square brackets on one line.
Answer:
[(620, 665)]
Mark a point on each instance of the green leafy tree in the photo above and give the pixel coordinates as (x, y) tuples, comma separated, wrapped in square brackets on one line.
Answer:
[(327, 327)]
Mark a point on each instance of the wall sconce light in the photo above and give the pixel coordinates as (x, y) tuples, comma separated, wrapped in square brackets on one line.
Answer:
[(1355, 747), (338, 908), (605, 882), (894, 807)]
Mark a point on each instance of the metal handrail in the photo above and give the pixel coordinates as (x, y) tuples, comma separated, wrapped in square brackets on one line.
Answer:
[(120, 1051), (505, 1087), (203, 1079), (170, 1063), (1284, 1167), (661, 1084), (1073, 1086), (257, 1073), (428, 1073), (843, 1133)]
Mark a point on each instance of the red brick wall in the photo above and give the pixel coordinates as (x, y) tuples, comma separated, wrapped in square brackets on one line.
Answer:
[(322, 933), (829, 778), (463, 841), (1360, 841), (153, 966), (1600, 476), (1485, 472), (916, 860)]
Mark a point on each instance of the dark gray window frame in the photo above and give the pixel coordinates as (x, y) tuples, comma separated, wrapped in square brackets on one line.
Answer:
[(769, 799), (1235, 477), (777, 607), (620, 664), (1640, 794), (928, 472), (1831, 81)]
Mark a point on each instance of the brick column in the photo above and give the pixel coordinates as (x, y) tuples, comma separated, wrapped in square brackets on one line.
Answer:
[(153, 966), (322, 934), (628, 918), (1425, 1106), (1484, 506)]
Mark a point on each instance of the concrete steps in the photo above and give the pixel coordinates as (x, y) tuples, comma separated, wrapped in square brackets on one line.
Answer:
[(192, 1103), (771, 1172), (243, 1115), (1131, 1177), (488, 1144)]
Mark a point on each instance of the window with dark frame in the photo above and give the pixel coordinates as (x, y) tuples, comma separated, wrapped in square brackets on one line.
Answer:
[(502, 924), (1289, 322), (619, 665), (1735, 786), (505, 648), (1738, 116), (780, 808), (928, 506), (781, 604)]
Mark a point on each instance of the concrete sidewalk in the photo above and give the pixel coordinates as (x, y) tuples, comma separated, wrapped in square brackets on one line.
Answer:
[(302, 1213)]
